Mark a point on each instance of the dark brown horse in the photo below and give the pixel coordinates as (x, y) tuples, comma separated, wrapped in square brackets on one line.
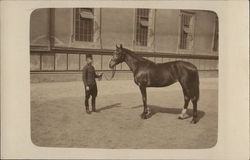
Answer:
[(149, 74)]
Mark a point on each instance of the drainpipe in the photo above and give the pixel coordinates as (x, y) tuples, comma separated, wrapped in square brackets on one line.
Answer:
[(51, 28), (101, 28), (154, 29)]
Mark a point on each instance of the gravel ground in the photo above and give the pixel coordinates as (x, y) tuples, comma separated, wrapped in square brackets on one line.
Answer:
[(58, 117)]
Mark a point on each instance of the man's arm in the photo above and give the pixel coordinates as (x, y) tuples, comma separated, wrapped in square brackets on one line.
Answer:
[(84, 75), (98, 75)]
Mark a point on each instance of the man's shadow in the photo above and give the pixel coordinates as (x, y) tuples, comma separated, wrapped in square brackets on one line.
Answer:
[(157, 109), (109, 107)]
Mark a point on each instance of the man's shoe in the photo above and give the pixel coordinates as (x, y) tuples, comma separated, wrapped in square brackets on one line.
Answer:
[(88, 112), (94, 110)]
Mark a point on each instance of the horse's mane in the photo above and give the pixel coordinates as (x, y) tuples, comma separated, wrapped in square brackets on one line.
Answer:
[(136, 56)]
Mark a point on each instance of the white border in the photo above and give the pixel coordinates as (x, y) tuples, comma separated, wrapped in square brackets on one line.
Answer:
[(233, 136)]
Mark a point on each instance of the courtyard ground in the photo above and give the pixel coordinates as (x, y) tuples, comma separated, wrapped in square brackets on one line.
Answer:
[(58, 117)]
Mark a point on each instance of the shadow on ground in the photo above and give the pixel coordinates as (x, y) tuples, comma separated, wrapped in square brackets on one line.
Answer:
[(109, 107), (158, 109), (58, 118)]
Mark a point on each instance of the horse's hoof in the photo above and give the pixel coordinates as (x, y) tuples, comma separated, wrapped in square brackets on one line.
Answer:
[(183, 116), (179, 117), (148, 115), (145, 115), (194, 121)]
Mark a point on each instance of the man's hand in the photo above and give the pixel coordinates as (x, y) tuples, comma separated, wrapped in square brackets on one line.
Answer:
[(87, 88), (100, 76)]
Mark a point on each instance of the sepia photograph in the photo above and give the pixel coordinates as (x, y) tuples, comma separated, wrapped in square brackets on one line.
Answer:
[(124, 78)]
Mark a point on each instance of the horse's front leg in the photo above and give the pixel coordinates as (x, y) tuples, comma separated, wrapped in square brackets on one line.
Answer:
[(146, 112)]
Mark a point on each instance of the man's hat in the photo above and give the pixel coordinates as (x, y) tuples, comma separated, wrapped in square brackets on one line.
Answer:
[(89, 56)]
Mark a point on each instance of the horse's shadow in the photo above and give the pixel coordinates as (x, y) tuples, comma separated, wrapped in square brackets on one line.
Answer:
[(157, 109), (109, 107)]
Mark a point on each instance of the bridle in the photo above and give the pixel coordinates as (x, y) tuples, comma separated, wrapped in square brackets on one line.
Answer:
[(113, 72), (112, 75)]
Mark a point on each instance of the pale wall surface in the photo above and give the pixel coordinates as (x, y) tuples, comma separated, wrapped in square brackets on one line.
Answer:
[(39, 27), (116, 26)]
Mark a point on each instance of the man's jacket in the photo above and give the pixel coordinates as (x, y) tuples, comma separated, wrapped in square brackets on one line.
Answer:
[(89, 75)]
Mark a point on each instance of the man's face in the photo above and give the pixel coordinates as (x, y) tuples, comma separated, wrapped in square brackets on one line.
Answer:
[(89, 60)]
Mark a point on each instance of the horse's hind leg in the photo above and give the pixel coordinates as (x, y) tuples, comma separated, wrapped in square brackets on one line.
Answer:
[(183, 114), (194, 99), (195, 115), (187, 94)]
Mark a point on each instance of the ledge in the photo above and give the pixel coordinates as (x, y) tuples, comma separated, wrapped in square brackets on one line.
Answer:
[(109, 52)]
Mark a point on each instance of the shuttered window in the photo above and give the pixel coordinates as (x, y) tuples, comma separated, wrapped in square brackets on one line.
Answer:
[(84, 24), (187, 31), (142, 19)]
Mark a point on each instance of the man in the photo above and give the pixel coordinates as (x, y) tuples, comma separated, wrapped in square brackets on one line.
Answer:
[(88, 77)]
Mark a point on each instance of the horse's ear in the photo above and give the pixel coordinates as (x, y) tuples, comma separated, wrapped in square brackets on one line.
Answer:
[(121, 46)]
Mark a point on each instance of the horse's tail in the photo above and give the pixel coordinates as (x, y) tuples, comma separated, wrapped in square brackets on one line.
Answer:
[(195, 81), (196, 85), (191, 78)]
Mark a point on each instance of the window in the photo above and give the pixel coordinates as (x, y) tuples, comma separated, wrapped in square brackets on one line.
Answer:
[(187, 31), (216, 35), (84, 24), (142, 24)]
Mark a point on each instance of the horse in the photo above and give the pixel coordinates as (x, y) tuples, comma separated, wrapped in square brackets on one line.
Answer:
[(149, 74)]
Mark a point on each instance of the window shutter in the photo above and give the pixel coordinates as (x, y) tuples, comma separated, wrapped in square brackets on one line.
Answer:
[(144, 22), (187, 31), (86, 14)]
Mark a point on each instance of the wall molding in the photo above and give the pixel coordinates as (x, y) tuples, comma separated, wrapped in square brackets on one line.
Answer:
[(109, 52)]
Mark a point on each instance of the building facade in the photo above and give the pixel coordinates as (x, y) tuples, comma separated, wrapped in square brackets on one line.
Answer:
[(60, 38)]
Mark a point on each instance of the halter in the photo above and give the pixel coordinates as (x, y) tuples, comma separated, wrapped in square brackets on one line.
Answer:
[(113, 73)]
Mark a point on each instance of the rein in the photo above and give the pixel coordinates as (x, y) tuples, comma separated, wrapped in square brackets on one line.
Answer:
[(112, 76)]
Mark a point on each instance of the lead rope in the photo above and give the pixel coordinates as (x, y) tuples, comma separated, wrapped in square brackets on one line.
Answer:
[(112, 76), (113, 73)]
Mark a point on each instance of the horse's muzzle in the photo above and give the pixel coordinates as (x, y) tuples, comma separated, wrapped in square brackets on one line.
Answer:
[(112, 63)]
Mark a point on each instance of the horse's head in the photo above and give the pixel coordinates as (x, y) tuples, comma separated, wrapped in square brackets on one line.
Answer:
[(118, 57)]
